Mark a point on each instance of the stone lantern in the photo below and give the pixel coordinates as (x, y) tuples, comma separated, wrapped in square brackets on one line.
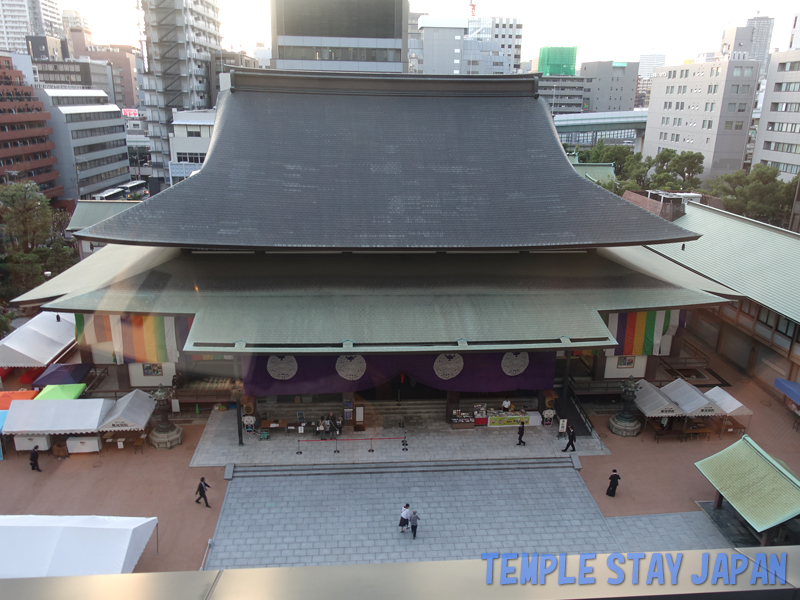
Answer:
[(166, 434), (624, 423)]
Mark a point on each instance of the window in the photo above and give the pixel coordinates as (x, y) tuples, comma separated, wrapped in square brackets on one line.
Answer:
[(732, 107), (767, 317), (782, 167), (784, 127), (728, 125), (745, 89), (704, 124), (192, 134), (710, 89), (747, 307), (707, 105), (737, 71), (734, 89), (742, 107), (191, 157), (782, 147), (738, 126), (789, 66), (786, 327), (748, 71), (716, 88), (793, 86), (785, 106)]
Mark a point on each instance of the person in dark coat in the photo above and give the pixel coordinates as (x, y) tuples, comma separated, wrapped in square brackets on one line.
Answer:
[(35, 459), (520, 433), (413, 521), (570, 438), (201, 491), (614, 482)]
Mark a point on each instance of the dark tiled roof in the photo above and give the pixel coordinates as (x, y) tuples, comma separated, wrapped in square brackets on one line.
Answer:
[(305, 161)]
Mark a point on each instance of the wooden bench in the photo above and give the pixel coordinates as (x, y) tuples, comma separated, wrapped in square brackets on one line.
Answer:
[(669, 432), (138, 445)]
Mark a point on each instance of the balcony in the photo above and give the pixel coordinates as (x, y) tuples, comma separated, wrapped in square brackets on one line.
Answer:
[(25, 133), (29, 165), (24, 117), (54, 192), (22, 150)]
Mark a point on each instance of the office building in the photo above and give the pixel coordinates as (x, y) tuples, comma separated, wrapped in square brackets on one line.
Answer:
[(225, 60), (89, 136), (446, 48), (85, 72), (506, 31), (26, 150), (72, 19), (704, 108), (762, 41), (340, 35), (609, 86), (413, 32), (648, 63), (45, 47), (794, 38), (563, 93), (182, 39), (751, 42), (778, 139), (122, 59), (262, 55), (554, 60), (192, 137), (20, 18)]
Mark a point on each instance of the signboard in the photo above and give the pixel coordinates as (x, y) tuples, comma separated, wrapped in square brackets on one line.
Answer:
[(507, 421), (619, 64), (130, 112), (562, 426)]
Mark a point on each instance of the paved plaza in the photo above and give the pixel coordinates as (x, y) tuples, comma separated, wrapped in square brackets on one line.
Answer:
[(344, 519), (428, 440)]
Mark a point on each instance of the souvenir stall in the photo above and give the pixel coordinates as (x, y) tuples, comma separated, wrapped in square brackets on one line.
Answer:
[(70, 391), (658, 410), (38, 423), (127, 421), (700, 412), (7, 397), (734, 410)]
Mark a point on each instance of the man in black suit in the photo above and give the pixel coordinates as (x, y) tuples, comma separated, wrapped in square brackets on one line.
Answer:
[(570, 438), (520, 433), (201, 490), (613, 483), (35, 459)]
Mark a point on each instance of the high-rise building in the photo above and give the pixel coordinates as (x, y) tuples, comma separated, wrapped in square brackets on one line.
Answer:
[(413, 32), (447, 48), (182, 39), (83, 72), (751, 42), (89, 135), (263, 55), (557, 60), (340, 35), (762, 40), (703, 108), (26, 150), (72, 19), (122, 60), (648, 62), (506, 31), (609, 86), (779, 126), (794, 39), (19, 18), (564, 93)]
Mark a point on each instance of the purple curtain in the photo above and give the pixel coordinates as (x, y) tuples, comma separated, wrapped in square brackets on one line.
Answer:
[(484, 372)]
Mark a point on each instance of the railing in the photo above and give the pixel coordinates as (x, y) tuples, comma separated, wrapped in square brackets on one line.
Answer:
[(571, 398), (98, 375), (336, 444)]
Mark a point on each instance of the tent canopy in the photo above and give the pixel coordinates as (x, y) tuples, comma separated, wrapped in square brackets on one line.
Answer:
[(39, 342), (654, 403), (790, 388), (62, 374), (759, 487), (3, 415), (7, 397), (131, 412), (691, 400), (729, 404), (48, 546), (58, 416), (70, 391)]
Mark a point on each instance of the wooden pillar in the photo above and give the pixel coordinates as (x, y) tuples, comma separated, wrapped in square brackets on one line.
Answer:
[(765, 537), (453, 403), (718, 498), (599, 366), (651, 369), (237, 395)]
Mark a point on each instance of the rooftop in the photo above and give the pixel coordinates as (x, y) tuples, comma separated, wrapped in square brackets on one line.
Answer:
[(306, 161)]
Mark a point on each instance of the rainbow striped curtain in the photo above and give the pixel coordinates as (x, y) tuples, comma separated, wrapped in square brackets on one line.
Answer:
[(135, 338), (641, 333)]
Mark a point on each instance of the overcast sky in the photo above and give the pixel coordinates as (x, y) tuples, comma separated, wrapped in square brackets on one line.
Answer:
[(619, 30)]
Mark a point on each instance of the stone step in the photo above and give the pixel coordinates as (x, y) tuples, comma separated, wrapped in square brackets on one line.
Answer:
[(243, 470)]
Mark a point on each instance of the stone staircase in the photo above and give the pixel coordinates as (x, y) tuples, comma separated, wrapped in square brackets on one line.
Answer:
[(559, 462)]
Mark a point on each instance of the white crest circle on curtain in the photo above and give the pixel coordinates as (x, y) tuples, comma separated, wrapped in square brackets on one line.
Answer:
[(514, 363), (447, 366), (351, 366), (282, 367)]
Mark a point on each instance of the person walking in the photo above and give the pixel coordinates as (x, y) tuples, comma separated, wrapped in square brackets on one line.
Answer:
[(201, 491), (614, 482), (520, 433), (414, 520), (570, 438), (35, 459), (405, 515)]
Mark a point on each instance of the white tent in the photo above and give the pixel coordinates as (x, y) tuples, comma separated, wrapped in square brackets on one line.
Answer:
[(130, 413), (56, 416), (691, 400), (48, 546), (728, 403), (39, 342), (654, 403)]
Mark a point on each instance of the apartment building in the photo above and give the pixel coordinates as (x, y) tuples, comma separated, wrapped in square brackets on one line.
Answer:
[(609, 85), (704, 108)]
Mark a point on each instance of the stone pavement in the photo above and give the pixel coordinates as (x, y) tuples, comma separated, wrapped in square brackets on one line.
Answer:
[(427, 440), (345, 519)]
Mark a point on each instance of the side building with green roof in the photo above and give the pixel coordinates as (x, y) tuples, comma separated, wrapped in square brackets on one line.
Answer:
[(557, 60)]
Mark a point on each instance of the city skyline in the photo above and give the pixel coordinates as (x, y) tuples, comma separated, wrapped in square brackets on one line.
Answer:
[(622, 33)]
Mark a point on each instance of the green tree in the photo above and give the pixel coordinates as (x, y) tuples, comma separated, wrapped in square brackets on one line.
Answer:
[(759, 195), (617, 155), (26, 214), (637, 169), (687, 166), (60, 257), (26, 271)]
